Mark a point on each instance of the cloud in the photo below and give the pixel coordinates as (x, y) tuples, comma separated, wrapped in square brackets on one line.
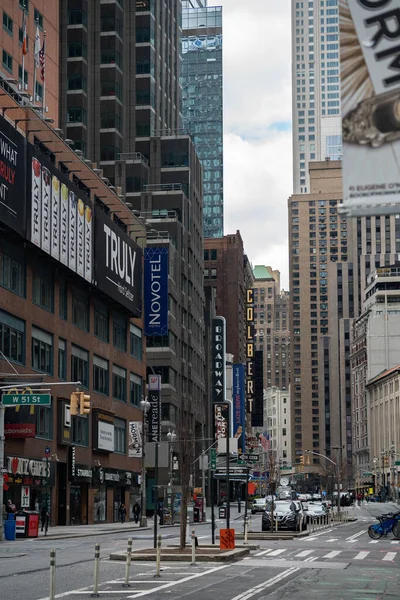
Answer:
[(257, 125)]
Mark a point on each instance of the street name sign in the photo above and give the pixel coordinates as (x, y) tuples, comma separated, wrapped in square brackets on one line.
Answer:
[(26, 399), (213, 459), (248, 458)]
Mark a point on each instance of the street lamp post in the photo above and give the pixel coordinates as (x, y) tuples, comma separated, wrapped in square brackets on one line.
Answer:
[(337, 465), (145, 406), (171, 435)]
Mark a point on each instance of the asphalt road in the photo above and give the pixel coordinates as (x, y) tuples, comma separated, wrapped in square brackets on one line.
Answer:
[(341, 563)]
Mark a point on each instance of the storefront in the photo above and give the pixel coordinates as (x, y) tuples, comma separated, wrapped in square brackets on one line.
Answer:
[(79, 494), (111, 488), (27, 481)]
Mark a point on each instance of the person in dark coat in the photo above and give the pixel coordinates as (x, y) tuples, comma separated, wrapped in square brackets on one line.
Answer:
[(122, 513), (136, 512)]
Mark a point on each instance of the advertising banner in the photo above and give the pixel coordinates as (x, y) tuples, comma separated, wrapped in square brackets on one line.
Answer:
[(239, 412), (54, 223), (257, 416), (250, 351), (12, 177), (156, 291), (221, 421), (135, 445), (370, 69), (105, 432), (154, 414), (218, 359), (118, 264)]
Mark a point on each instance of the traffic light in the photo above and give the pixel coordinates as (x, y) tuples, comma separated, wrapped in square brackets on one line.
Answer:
[(387, 463), (302, 460), (84, 403), (74, 400)]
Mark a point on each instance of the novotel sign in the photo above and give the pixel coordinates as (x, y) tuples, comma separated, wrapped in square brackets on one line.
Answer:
[(156, 291), (218, 359)]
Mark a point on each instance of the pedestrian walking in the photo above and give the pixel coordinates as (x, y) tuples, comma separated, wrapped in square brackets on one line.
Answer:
[(136, 512), (122, 513), (44, 517)]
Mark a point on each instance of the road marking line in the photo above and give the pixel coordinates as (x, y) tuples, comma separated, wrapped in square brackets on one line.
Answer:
[(315, 535), (361, 555), (262, 586), (390, 556), (332, 554), (352, 538), (263, 552), (398, 542), (332, 540), (277, 552), (374, 542), (304, 553)]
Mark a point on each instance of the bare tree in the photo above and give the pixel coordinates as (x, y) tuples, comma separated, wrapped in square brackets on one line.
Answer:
[(185, 448)]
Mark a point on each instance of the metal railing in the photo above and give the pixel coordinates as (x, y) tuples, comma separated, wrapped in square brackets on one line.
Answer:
[(163, 187), (132, 156)]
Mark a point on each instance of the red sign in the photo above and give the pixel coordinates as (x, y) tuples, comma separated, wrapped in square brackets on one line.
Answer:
[(19, 430), (33, 526), (226, 539)]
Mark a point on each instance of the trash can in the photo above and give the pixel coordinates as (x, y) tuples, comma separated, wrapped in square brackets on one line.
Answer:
[(21, 524), (196, 514), (9, 528), (222, 512), (33, 524)]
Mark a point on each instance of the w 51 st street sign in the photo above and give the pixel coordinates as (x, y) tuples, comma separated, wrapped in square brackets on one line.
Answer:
[(26, 399)]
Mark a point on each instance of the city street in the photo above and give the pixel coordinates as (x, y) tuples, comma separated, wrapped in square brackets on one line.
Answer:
[(304, 568)]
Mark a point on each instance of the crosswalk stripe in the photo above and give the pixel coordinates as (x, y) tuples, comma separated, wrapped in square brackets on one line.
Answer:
[(361, 555), (374, 542), (398, 542), (276, 552), (304, 553), (332, 554), (390, 556), (263, 552), (332, 540)]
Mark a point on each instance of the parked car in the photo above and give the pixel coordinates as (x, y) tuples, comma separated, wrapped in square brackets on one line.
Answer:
[(259, 505), (285, 513), (316, 510)]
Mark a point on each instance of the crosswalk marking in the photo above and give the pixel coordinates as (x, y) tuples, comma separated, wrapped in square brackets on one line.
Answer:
[(277, 552), (304, 553), (374, 542), (263, 552), (398, 542), (390, 556), (332, 540), (332, 554), (361, 555)]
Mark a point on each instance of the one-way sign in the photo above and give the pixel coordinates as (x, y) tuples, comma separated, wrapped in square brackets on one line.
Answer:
[(248, 458)]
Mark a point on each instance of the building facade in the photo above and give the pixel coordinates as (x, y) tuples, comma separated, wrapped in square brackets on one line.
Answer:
[(277, 423), (271, 324), (202, 105), (64, 323), (317, 128), (225, 270), (119, 82)]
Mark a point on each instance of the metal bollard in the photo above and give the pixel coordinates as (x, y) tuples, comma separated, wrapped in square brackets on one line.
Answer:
[(246, 530), (96, 571), (52, 574), (158, 556), (193, 548), (128, 564)]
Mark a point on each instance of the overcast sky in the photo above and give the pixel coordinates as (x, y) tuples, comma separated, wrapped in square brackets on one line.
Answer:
[(257, 122)]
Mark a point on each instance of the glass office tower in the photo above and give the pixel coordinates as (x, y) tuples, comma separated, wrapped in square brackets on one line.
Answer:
[(202, 104)]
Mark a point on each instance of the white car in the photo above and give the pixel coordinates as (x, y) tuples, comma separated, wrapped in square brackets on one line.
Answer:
[(316, 510), (259, 505)]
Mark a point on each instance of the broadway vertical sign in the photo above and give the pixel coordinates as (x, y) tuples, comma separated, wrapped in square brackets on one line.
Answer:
[(218, 359), (154, 414)]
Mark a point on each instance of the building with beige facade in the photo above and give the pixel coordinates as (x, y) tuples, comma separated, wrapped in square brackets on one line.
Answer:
[(271, 324), (277, 423)]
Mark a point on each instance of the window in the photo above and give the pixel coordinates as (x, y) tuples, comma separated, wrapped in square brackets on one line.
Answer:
[(20, 76), (101, 327), (12, 337), (7, 61), (80, 365), (81, 309), (77, 17), (136, 346), (119, 332), (77, 50), (213, 254), (12, 270), (206, 254), (62, 359), (76, 114), (77, 81), (24, 4), (100, 375), (43, 288), (120, 436), (42, 351), (44, 422), (119, 383), (80, 431), (136, 389), (7, 23), (38, 17), (63, 300), (39, 91), (110, 121)]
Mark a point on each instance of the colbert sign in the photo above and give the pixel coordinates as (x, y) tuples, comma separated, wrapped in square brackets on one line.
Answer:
[(250, 350), (12, 177), (118, 264), (218, 359)]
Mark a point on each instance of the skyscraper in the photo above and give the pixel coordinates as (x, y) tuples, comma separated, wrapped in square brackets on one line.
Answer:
[(317, 129), (202, 103)]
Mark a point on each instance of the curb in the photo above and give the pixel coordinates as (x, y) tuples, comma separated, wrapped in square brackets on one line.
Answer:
[(90, 534), (229, 556)]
